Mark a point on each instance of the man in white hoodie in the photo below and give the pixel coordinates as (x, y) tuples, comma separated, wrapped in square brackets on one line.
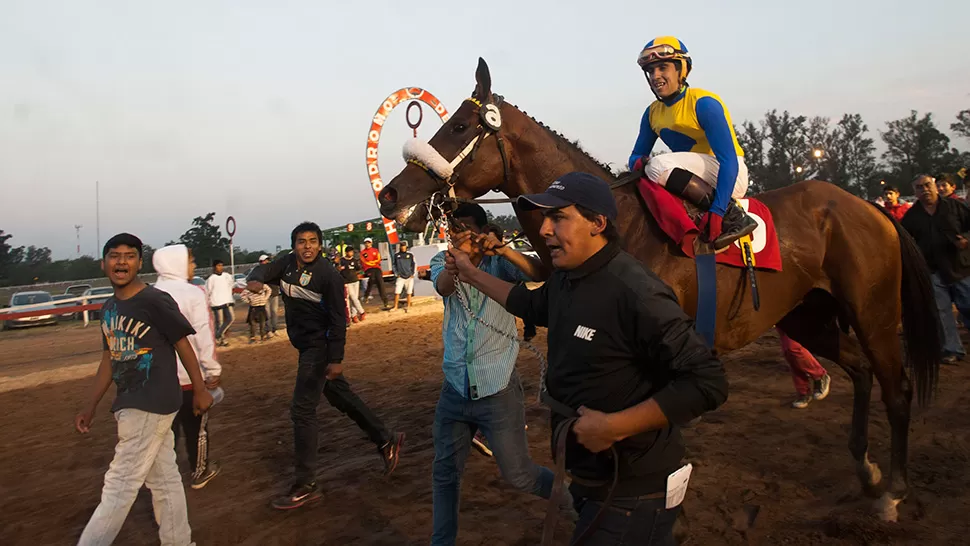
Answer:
[(175, 266), (218, 288)]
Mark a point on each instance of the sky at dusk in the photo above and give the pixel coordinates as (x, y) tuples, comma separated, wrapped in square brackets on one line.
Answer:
[(261, 109)]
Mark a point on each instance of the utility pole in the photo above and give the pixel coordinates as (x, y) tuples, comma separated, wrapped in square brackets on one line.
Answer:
[(77, 229), (97, 213)]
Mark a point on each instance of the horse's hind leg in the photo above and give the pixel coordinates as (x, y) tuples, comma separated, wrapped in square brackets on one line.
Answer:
[(897, 395), (876, 331), (820, 334)]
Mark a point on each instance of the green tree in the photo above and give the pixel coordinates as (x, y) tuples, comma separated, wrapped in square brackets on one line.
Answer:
[(206, 240), (9, 255), (850, 160), (751, 137), (147, 253), (508, 222), (786, 135), (37, 257), (915, 146), (813, 159), (962, 124)]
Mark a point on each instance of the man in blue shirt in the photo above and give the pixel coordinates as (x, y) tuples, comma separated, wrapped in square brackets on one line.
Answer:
[(481, 389)]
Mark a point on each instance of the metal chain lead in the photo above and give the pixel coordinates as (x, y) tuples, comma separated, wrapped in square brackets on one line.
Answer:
[(442, 222)]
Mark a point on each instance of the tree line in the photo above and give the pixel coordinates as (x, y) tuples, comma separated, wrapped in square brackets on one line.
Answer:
[(783, 149), (19, 265), (780, 150)]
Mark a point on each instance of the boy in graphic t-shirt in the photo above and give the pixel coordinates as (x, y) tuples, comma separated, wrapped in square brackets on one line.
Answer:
[(142, 330)]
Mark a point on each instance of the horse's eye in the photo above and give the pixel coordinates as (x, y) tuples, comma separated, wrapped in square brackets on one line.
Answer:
[(459, 127)]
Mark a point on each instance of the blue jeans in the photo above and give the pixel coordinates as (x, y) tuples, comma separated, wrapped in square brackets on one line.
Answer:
[(223, 316), (501, 417), (272, 310), (628, 521), (948, 295)]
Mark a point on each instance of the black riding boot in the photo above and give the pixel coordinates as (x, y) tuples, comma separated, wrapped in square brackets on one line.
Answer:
[(736, 224), (690, 187)]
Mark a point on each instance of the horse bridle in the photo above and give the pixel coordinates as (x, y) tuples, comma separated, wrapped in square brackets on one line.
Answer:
[(490, 123)]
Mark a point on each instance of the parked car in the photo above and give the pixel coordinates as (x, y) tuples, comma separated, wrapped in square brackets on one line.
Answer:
[(31, 298), (59, 297), (198, 281), (77, 289), (98, 296), (524, 247)]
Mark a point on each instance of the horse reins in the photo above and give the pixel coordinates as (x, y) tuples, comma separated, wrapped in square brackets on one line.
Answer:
[(559, 436)]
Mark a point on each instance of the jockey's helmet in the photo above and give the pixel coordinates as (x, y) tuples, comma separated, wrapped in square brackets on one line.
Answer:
[(666, 48)]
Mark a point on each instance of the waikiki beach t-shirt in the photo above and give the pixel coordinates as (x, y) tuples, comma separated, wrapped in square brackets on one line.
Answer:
[(141, 333)]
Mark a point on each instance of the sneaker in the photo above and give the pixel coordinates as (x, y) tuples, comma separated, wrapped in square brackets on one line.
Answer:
[(354, 319), (481, 444), (297, 497), (363, 316), (211, 471), (821, 387), (951, 359), (391, 452), (252, 340), (802, 402)]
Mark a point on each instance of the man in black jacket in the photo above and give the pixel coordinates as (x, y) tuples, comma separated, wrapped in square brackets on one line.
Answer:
[(941, 228), (623, 356), (316, 322)]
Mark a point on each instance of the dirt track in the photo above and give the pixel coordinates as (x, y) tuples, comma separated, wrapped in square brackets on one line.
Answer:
[(754, 451)]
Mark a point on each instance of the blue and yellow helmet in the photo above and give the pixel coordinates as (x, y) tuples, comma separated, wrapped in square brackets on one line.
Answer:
[(666, 48)]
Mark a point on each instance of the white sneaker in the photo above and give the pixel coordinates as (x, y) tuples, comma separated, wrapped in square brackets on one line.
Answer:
[(821, 387)]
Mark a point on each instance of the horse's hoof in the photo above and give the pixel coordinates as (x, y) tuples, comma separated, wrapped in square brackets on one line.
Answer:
[(885, 508), (873, 491)]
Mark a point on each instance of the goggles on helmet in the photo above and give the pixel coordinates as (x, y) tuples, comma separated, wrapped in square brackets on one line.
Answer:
[(660, 52)]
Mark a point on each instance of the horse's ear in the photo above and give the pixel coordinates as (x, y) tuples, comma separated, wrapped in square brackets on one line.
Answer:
[(483, 81)]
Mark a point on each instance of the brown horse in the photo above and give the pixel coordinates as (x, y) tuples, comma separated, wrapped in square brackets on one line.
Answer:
[(846, 265)]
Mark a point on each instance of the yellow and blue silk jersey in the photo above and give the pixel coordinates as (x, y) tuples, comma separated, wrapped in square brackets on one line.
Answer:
[(694, 121)]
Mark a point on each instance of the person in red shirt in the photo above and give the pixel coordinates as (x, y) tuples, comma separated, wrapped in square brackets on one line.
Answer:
[(896, 209), (370, 257)]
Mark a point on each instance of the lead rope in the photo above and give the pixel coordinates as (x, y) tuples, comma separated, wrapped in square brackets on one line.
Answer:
[(442, 222)]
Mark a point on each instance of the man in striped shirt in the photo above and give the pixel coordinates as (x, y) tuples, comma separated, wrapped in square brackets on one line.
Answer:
[(481, 390)]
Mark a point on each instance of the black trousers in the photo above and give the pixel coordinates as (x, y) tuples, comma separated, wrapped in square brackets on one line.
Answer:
[(375, 276), (189, 423), (257, 315), (310, 382)]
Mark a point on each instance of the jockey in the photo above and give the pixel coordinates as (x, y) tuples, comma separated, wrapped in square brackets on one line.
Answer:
[(707, 164)]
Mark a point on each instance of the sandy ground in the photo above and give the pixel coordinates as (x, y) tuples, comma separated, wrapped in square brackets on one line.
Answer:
[(755, 451)]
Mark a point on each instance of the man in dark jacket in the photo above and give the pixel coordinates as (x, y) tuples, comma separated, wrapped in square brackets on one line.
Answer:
[(941, 228), (316, 322), (623, 357)]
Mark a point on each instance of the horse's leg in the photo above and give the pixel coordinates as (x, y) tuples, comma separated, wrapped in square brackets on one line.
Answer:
[(821, 335), (880, 343), (897, 395)]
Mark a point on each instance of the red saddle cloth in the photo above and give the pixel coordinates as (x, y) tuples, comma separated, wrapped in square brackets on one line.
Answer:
[(677, 224)]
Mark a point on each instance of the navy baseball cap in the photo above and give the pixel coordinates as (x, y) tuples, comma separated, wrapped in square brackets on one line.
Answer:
[(575, 188)]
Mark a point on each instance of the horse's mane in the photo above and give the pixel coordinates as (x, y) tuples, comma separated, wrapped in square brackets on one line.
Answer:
[(574, 144)]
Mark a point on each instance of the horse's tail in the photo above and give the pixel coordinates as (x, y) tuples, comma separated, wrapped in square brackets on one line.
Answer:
[(921, 321)]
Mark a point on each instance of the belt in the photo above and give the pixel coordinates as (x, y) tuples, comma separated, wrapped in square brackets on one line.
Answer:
[(559, 436)]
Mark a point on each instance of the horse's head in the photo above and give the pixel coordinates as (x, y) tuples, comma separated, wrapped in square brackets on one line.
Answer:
[(466, 158)]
